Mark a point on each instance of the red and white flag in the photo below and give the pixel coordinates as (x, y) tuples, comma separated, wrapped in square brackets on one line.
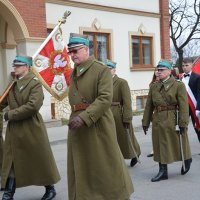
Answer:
[(191, 98), (51, 64), (193, 103)]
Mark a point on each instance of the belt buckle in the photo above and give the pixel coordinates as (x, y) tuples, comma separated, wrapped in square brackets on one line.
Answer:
[(159, 108)]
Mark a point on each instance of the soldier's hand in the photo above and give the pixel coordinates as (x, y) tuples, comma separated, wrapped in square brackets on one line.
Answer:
[(6, 116), (145, 129), (76, 122), (182, 130), (126, 125)]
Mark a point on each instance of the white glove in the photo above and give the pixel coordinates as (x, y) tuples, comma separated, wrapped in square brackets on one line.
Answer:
[(197, 112)]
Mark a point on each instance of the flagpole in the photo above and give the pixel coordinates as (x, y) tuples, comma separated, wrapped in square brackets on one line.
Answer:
[(61, 21)]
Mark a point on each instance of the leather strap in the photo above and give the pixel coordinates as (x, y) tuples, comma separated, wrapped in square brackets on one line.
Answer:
[(76, 85), (165, 108), (79, 107), (14, 93), (115, 103)]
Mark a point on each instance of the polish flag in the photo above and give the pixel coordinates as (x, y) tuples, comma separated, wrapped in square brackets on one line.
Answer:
[(51, 64), (191, 98)]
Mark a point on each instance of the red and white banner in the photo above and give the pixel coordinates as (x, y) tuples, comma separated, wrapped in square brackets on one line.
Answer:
[(51, 64)]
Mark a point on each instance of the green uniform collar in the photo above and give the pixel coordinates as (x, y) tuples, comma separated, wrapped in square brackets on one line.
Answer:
[(168, 83), (83, 67), (22, 83)]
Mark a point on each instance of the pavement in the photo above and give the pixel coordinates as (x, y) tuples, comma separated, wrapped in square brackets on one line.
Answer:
[(177, 187)]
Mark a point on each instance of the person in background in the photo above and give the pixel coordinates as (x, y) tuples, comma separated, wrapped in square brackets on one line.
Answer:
[(27, 156), (166, 108), (192, 83), (123, 115), (96, 168), (155, 79), (175, 72)]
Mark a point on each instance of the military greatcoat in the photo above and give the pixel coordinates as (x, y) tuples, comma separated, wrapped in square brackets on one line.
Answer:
[(96, 168), (1, 140), (166, 145), (26, 145), (123, 113)]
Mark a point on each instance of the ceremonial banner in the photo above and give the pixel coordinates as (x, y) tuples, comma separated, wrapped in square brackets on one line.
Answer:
[(51, 64)]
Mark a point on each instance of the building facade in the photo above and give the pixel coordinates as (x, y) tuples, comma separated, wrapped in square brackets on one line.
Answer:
[(135, 34)]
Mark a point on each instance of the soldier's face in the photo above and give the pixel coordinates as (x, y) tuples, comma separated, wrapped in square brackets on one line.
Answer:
[(112, 71), (187, 67), (163, 73), (79, 54), (21, 70)]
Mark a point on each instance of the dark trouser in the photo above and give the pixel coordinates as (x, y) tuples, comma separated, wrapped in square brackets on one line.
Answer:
[(196, 130)]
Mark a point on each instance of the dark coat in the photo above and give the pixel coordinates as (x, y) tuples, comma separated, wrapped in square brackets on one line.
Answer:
[(123, 113), (194, 83), (166, 144), (27, 146), (96, 168)]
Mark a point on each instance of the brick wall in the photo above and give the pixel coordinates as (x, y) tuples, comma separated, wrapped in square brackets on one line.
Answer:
[(34, 16), (164, 29)]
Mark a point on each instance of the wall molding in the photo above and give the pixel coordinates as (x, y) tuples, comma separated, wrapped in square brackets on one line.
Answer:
[(104, 8), (7, 46), (31, 39)]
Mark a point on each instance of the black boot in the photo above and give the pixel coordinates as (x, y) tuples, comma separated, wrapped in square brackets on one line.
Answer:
[(133, 162), (187, 166), (50, 192), (10, 189), (150, 155), (162, 174)]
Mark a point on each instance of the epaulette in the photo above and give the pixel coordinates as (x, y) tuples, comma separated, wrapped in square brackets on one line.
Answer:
[(99, 62), (178, 80), (35, 78)]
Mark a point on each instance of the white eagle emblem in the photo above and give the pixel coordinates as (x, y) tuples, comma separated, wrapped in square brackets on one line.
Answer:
[(59, 62)]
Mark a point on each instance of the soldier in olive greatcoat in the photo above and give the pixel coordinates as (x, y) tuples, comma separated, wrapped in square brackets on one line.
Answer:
[(96, 168), (166, 107), (122, 112), (27, 155), (1, 141)]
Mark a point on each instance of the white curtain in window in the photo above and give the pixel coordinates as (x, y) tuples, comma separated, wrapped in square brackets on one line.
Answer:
[(102, 47)]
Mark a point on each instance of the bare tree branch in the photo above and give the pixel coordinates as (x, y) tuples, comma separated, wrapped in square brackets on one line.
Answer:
[(184, 25)]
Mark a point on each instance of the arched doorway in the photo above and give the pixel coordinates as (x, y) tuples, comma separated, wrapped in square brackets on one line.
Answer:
[(12, 31)]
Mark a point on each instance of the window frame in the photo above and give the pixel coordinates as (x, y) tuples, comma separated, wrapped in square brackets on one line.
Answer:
[(95, 35), (141, 66), (109, 32), (142, 97), (50, 28)]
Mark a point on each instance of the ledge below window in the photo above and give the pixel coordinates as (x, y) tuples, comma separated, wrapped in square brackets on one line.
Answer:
[(142, 69)]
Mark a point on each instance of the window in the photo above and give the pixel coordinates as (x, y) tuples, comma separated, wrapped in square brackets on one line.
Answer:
[(49, 30), (141, 102), (141, 52), (99, 45)]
